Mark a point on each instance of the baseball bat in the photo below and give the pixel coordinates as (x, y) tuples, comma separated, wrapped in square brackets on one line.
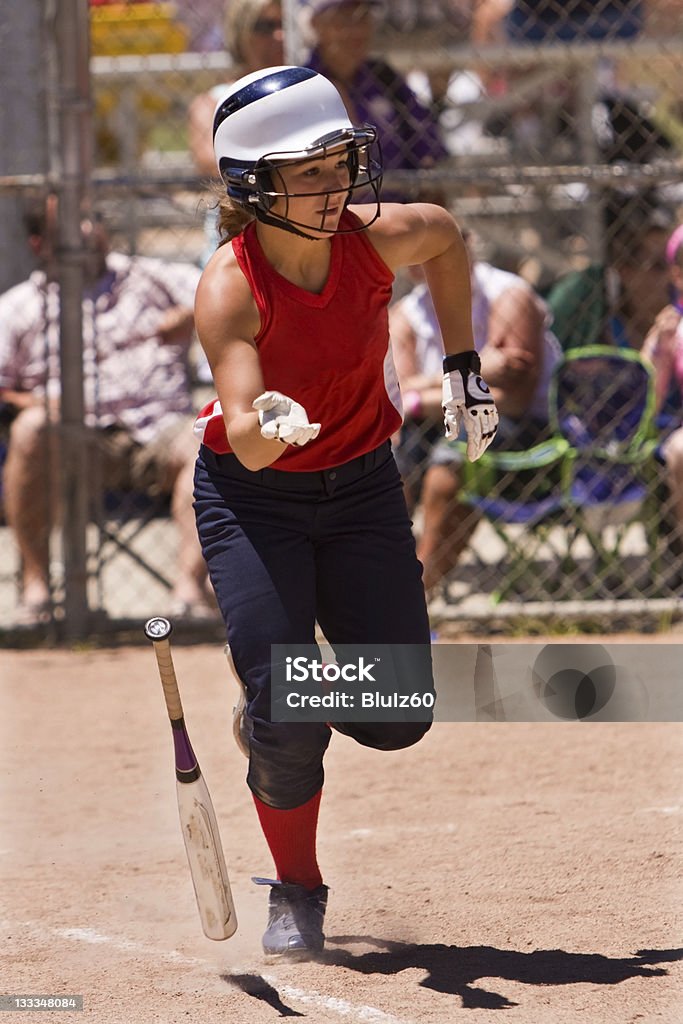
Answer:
[(197, 816)]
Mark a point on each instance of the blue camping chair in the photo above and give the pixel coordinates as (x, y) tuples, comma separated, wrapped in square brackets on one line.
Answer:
[(602, 404), (563, 507), (520, 493)]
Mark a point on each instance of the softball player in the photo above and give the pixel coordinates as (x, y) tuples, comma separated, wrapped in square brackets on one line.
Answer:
[(299, 504)]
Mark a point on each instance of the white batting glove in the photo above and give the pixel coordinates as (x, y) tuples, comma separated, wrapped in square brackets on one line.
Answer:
[(283, 419), (467, 402)]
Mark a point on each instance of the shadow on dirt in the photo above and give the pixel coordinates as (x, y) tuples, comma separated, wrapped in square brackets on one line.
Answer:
[(453, 969), (258, 988)]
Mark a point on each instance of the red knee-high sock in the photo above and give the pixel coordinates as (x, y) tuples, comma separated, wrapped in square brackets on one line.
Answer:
[(291, 838)]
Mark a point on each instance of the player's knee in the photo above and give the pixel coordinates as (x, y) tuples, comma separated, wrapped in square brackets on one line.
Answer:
[(282, 791), (287, 772), (403, 734)]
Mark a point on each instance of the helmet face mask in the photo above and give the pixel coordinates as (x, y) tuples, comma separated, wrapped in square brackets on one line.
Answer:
[(303, 116), (271, 196)]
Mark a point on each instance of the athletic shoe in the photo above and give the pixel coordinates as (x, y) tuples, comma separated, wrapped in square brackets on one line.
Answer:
[(295, 919), (241, 724)]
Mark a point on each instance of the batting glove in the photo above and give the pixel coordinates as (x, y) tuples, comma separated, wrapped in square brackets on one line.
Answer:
[(467, 402), (283, 419)]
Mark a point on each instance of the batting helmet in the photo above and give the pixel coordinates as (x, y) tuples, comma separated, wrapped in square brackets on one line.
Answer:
[(283, 115)]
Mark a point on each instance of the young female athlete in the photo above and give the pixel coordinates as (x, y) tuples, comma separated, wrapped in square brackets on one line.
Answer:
[(299, 504)]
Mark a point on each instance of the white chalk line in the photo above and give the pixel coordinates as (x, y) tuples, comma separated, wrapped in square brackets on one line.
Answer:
[(95, 938), (363, 833), (673, 809), (341, 1007)]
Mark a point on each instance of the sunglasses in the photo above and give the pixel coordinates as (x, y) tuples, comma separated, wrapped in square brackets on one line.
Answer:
[(266, 26)]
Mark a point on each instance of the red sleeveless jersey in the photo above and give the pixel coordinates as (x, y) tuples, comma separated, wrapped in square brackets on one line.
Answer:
[(329, 352)]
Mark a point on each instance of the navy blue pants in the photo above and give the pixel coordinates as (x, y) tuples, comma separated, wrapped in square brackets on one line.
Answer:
[(287, 549)]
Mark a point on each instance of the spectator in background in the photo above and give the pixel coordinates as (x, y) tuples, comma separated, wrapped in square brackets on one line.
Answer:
[(518, 354), (203, 21), (444, 16), (373, 92), (637, 277), (534, 93), (138, 325), (663, 348), (546, 21), (254, 38), (617, 302)]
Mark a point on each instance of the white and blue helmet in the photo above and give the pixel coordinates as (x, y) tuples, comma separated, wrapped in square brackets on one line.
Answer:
[(280, 115)]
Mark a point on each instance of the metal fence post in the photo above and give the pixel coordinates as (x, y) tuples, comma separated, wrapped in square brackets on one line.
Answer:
[(74, 166)]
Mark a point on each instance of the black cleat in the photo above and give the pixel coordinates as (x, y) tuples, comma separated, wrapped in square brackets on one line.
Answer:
[(295, 919)]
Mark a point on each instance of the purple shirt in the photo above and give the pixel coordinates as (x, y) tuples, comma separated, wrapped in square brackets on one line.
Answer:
[(408, 132)]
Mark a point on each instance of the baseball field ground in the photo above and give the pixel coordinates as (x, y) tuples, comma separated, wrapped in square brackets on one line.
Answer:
[(520, 872)]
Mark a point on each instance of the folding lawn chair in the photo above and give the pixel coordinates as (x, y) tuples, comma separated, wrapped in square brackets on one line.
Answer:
[(564, 507), (602, 404)]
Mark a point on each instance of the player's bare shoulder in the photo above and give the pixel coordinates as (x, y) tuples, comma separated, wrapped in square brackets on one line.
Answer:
[(224, 302), (393, 217), (222, 269), (410, 233)]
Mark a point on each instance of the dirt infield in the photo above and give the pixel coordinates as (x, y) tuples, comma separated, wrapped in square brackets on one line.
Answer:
[(530, 868)]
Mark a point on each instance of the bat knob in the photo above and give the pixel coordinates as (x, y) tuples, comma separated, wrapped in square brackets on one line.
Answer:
[(157, 628)]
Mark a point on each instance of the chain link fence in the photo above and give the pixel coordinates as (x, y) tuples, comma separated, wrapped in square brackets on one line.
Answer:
[(554, 133)]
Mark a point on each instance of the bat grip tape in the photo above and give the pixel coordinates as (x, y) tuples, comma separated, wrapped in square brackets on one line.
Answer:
[(162, 650)]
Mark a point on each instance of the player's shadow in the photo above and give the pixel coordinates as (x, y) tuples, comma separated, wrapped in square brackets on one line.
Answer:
[(454, 969), (258, 988)]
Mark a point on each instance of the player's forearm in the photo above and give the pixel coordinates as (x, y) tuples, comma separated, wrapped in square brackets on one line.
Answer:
[(252, 449), (448, 280)]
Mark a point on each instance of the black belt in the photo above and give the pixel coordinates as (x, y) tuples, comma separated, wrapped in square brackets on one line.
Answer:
[(324, 480)]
